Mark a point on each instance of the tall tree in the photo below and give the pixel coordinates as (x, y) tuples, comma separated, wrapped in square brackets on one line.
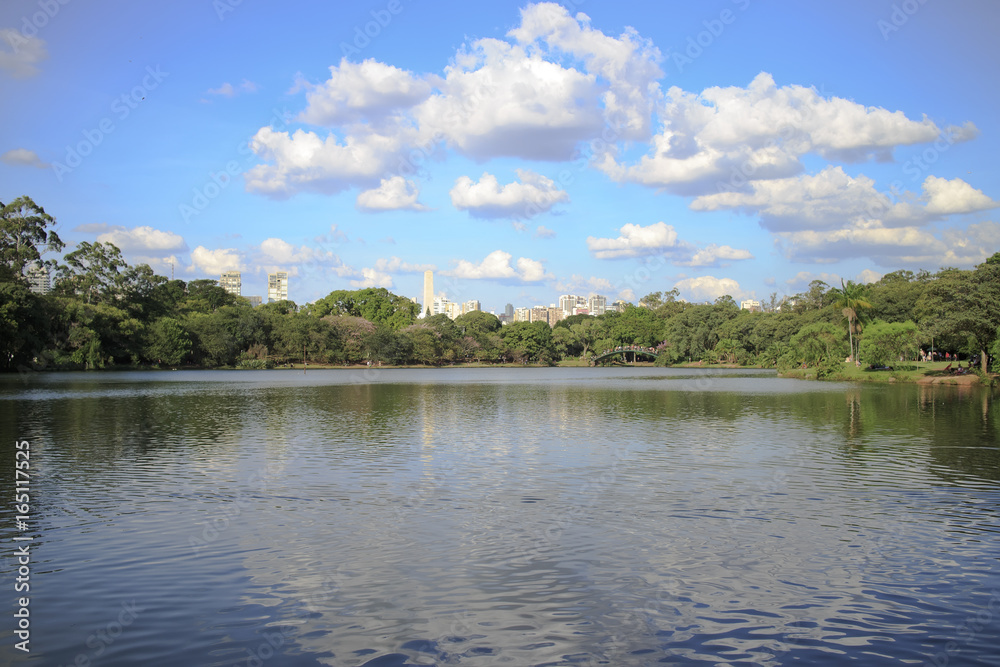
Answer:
[(24, 237), (94, 272), (852, 299)]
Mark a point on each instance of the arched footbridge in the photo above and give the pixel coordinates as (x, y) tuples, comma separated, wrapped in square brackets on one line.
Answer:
[(626, 353)]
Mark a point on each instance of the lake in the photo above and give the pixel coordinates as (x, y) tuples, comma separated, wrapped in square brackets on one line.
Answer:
[(563, 516)]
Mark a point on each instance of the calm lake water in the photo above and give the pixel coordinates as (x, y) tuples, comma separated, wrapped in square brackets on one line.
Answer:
[(502, 517)]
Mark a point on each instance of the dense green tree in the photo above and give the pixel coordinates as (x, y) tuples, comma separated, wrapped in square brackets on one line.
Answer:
[(886, 343), (375, 304), (351, 333), (965, 302), (530, 341), (24, 326), (424, 343), (93, 273), (167, 342), (24, 237), (635, 326), (819, 342), (385, 346), (895, 296), (477, 323)]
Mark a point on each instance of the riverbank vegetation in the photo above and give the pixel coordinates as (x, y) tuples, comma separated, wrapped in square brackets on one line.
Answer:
[(103, 312)]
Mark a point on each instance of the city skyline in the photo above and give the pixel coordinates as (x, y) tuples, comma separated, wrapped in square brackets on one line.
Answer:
[(520, 150)]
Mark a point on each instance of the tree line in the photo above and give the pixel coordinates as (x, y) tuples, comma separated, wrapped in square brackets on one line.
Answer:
[(103, 312)]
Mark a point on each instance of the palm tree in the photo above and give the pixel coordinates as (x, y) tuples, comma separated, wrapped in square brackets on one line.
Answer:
[(852, 302)]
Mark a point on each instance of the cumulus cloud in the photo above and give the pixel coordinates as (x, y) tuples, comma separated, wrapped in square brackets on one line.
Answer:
[(368, 90), (372, 278), (396, 265), (497, 266), (281, 252), (715, 255), (552, 84), (530, 195), (20, 55), (543, 232), (22, 157), (392, 194), (868, 276), (727, 137), (214, 262), (636, 241), (832, 199), (709, 288), (498, 99), (305, 161), (143, 240), (627, 65)]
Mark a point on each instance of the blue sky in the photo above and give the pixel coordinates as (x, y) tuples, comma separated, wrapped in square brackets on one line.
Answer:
[(520, 150)]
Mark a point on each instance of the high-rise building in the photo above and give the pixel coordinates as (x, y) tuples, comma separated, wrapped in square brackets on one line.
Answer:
[(620, 306), (750, 304), (598, 304), (539, 314), (470, 306), (555, 314), (509, 311), (277, 286), (428, 293), (231, 282), (38, 277), (254, 301), (567, 302), (522, 315)]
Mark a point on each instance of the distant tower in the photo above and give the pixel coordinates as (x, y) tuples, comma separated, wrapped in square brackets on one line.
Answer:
[(428, 293)]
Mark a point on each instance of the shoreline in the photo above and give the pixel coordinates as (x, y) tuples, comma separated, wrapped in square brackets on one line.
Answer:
[(926, 373)]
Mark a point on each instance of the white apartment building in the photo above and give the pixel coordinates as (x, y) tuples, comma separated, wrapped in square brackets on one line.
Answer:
[(232, 282), (277, 286)]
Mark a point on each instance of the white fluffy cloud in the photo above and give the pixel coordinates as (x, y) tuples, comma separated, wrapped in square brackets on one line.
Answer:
[(214, 262), (715, 255), (22, 157), (726, 137), (20, 55), (392, 194), (709, 288), (396, 265), (281, 252), (627, 66), (661, 239), (497, 266), (362, 91), (832, 199), (144, 240), (636, 241), (831, 216), (497, 99), (372, 278), (530, 195), (554, 83), (305, 161)]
